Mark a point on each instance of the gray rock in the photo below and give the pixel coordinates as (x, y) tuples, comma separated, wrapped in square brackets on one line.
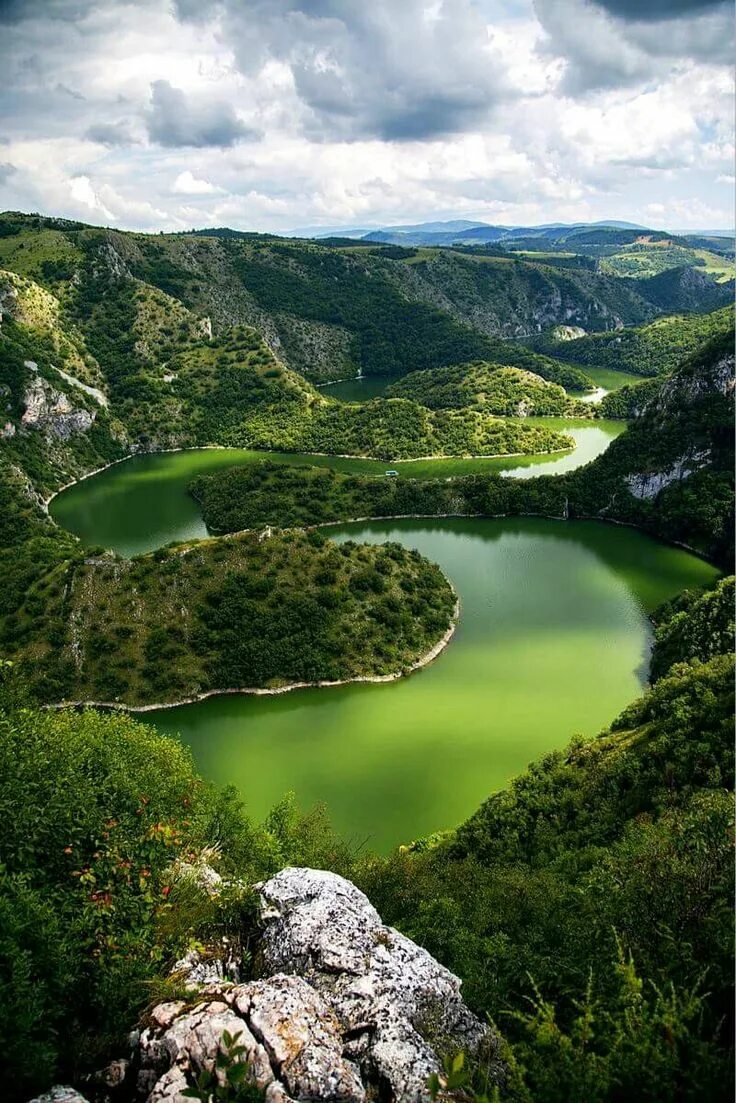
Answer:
[(60, 1093), (399, 1006), (348, 1008), (646, 486), (49, 409), (197, 971), (291, 1042)]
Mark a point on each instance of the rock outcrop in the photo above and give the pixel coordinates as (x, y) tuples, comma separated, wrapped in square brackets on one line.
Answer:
[(51, 410), (291, 1044), (347, 1010), (397, 1005), (647, 486)]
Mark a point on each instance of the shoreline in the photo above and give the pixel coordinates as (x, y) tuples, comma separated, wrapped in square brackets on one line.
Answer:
[(275, 452), (468, 517), (256, 691)]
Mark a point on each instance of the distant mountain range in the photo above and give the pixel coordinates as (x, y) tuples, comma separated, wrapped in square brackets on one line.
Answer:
[(554, 235)]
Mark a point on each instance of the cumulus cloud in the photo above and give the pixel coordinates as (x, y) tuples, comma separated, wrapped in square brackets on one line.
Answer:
[(187, 183), (110, 134), (603, 48), (167, 114), (176, 119), (393, 71)]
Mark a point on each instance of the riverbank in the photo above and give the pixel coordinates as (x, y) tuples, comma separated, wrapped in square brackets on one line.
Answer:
[(274, 452), (277, 691)]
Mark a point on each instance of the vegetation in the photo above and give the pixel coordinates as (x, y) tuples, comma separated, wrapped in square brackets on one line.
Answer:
[(105, 824), (491, 388), (630, 400), (242, 612), (651, 349), (641, 260), (587, 908), (694, 626), (671, 473)]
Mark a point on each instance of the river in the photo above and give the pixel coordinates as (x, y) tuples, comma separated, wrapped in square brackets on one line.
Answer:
[(553, 640)]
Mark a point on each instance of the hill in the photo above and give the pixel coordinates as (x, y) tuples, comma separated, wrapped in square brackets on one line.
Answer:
[(249, 611), (115, 365), (651, 349), (326, 310), (670, 473), (492, 388)]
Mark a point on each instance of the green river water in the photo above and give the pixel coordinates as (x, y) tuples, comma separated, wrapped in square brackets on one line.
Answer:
[(553, 640), (140, 504)]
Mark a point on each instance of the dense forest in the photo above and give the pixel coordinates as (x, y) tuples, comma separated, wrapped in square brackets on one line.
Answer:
[(587, 907), (642, 350), (671, 473), (251, 611)]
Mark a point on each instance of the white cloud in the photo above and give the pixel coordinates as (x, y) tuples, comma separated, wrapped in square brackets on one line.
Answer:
[(363, 114), (82, 192), (188, 184)]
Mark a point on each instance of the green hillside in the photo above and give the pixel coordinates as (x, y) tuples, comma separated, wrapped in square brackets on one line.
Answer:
[(140, 371), (670, 473), (647, 350), (247, 611), (492, 388), (326, 310)]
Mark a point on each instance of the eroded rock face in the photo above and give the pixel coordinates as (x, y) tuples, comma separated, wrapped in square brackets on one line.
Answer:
[(348, 1010), (49, 409), (398, 1006), (648, 486)]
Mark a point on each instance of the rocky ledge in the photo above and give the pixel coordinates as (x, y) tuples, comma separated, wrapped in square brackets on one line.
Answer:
[(347, 1010)]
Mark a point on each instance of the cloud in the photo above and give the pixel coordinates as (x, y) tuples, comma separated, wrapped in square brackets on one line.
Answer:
[(6, 171), (188, 184), (278, 113), (603, 47), (82, 192), (176, 119), (646, 11), (399, 72), (109, 134)]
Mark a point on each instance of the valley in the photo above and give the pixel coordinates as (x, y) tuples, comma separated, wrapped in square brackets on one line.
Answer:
[(455, 561)]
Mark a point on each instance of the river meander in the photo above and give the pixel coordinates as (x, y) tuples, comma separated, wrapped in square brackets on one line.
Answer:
[(140, 504), (553, 640)]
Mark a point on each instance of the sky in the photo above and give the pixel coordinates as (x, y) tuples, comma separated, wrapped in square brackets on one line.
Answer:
[(276, 115)]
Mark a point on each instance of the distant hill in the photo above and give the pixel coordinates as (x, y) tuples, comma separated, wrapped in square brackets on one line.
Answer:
[(460, 231)]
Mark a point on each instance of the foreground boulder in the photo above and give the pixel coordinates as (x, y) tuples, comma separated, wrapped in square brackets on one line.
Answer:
[(284, 1032), (348, 1009), (399, 1008)]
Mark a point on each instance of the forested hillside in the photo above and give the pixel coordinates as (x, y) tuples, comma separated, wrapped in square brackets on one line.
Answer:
[(239, 613), (492, 388), (670, 473), (328, 311), (586, 907), (122, 367), (648, 350)]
